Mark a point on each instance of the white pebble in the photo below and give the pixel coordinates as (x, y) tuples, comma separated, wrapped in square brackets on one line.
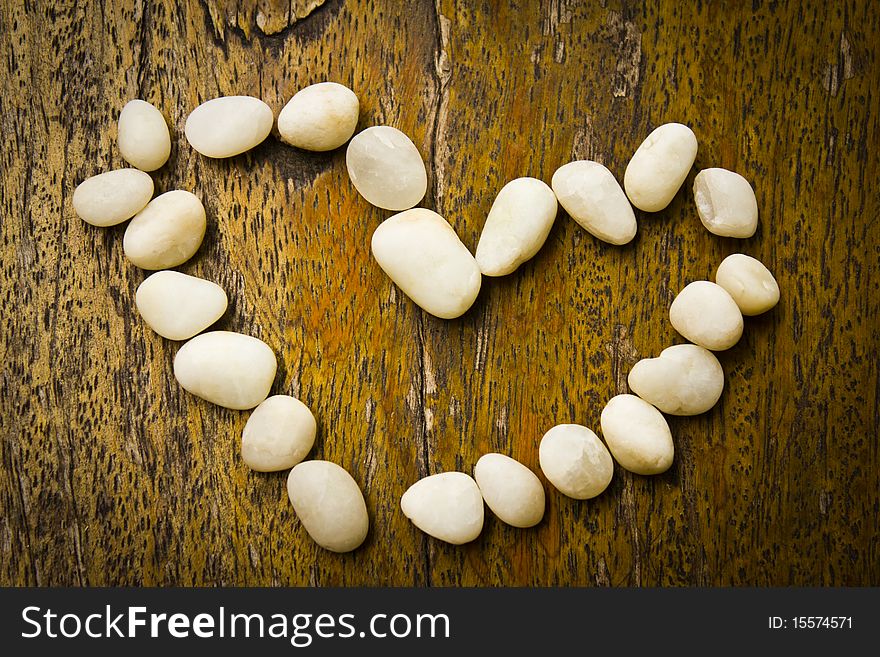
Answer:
[(167, 232), (112, 197), (386, 168), (447, 506), (177, 306), (659, 166), (749, 282), (726, 203), (512, 491), (707, 315), (329, 504), (517, 226), (575, 461), (593, 198), (227, 369), (684, 379), (278, 434), (320, 117), (421, 253), (228, 126), (637, 435), (143, 136)]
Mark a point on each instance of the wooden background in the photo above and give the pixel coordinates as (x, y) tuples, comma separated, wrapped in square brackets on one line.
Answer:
[(111, 474)]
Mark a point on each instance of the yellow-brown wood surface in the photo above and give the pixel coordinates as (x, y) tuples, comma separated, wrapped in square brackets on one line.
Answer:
[(112, 474)]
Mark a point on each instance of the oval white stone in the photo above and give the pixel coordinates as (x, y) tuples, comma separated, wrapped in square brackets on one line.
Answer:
[(659, 166), (684, 379), (517, 226), (229, 125), (637, 435), (329, 504), (112, 197), (143, 136), (386, 168), (575, 461), (167, 232), (512, 491), (726, 203), (320, 117), (421, 253), (707, 315), (227, 369), (749, 282), (593, 198), (278, 434), (177, 306), (447, 506)]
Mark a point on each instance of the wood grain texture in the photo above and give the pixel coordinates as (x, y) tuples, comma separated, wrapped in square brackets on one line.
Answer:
[(111, 474)]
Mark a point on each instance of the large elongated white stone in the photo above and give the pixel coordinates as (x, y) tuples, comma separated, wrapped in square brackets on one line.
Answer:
[(386, 168), (177, 306), (229, 125), (707, 315), (590, 194), (320, 117), (227, 369), (575, 461), (329, 504), (512, 491), (684, 379), (143, 136), (659, 166), (517, 226), (112, 197), (637, 435), (726, 203), (278, 434), (421, 253), (447, 506), (167, 232)]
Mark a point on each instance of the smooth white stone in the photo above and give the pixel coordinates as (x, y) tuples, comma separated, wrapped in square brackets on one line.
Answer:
[(593, 198), (512, 491), (144, 141), (329, 504), (707, 315), (726, 203), (167, 232), (386, 168), (278, 434), (517, 226), (749, 282), (659, 166), (228, 126), (575, 461), (684, 379), (637, 435), (112, 197), (421, 253), (177, 306), (447, 506), (227, 369), (320, 117)]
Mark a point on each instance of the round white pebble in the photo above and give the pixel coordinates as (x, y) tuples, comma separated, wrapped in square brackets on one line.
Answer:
[(447, 506), (637, 435), (177, 306), (575, 461), (329, 504), (749, 282), (278, 434), (726, 203), (228, 126), (112, 197), (167, 232), (227, 369), (684, 379), (517, 226), (143, 136), (593, 198), (320, 117), (386, 168), (659, 166), (707, 315), (512, 491), (421, 253)]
